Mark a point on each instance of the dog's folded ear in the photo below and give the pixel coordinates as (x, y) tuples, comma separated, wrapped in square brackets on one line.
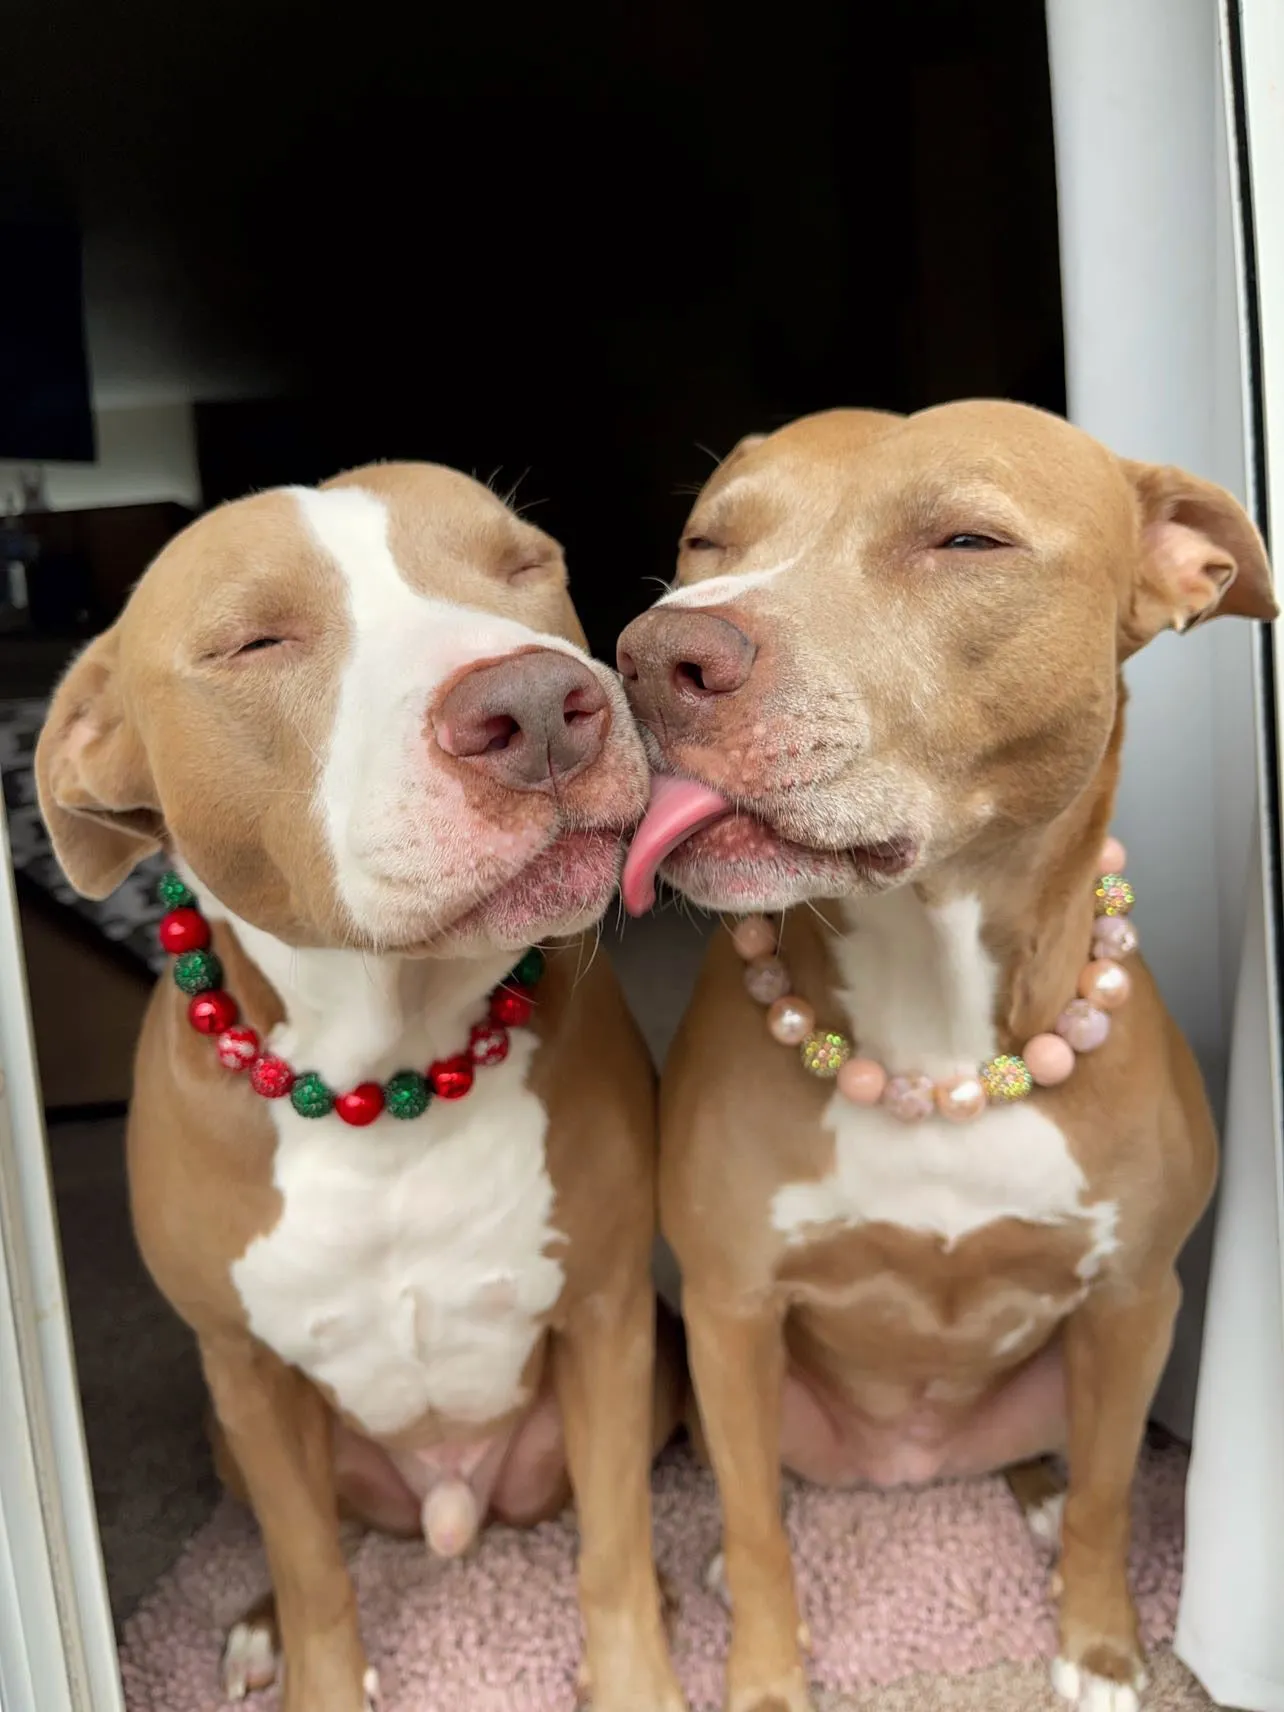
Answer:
[(93, 778), (1201, 556)]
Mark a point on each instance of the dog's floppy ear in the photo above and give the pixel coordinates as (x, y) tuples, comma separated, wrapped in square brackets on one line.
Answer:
[(1201, 556), (92, 775)]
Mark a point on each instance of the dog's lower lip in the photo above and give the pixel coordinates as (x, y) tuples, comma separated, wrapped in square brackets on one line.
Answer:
[(892, 856)]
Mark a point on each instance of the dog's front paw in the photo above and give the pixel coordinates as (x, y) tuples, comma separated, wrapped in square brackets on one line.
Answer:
[(250, 1654), (790, 1694), (1106, 1680)]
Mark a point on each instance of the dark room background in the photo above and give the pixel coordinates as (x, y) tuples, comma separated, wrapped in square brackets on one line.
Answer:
[(582, 246)]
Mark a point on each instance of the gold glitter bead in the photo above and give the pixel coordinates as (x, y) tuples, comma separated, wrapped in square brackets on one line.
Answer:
[(1006, 1078), (825, 1052), (1113, 895)]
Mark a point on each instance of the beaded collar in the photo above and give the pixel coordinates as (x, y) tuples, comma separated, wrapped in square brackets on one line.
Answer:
[(185, 934), (1044, 1061)]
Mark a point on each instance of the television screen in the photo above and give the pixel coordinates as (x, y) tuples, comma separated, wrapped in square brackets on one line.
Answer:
[(46, 411)]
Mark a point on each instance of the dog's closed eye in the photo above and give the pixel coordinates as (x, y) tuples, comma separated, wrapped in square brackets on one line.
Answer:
[(966, 542)]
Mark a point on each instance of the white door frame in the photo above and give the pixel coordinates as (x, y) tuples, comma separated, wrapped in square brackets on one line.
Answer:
[(57, 1644)]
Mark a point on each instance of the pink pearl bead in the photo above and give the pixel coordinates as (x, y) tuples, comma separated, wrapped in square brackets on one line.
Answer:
[(753, 937), (960, 1098), (1113, 936), (766, 980), (909, 1098), (862, 1081), (1048, 1058), (791, 1020), (1113, 858), (1105, 984), (1083, 1025)]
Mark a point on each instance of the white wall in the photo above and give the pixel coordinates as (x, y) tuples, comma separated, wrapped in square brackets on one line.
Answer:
[(1153, 369), (150, 357), (145, 453)]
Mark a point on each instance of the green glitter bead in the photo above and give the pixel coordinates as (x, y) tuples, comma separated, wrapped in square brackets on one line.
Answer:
[(527, 971), (310, 1097), (1113, 895), (173, 893), (197, 972), (824, 1053), (1006, 1078), (406, 1095)]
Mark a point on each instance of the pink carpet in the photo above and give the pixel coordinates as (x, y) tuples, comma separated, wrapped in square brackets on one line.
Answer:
[(946, 1580)]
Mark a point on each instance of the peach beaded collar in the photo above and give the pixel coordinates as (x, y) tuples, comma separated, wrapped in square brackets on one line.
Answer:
[(1044, 1060)]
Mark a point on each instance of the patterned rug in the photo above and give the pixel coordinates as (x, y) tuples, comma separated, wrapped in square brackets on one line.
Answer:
[(893, 1585), (128, 917)]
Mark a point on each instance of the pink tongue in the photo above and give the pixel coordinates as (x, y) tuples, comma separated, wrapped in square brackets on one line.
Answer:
[(678, 808)]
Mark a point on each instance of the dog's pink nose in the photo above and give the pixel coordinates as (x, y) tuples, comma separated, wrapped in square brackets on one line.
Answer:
[(531, 722), (674, 660)]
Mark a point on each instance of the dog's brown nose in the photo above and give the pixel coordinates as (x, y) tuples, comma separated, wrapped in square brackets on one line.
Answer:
[(531, 722), (674, 660)]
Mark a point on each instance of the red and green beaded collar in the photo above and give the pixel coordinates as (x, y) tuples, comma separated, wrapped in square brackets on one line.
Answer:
[(185, 934)]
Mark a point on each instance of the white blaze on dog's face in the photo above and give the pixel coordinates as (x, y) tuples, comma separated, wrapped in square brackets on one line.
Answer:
[(892, 640), (363, 715)]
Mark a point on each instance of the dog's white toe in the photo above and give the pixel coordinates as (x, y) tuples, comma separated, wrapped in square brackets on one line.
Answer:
[(249, 1660), (1044, 1520), (1089, 1693), (715, 1579), (370, 1687)]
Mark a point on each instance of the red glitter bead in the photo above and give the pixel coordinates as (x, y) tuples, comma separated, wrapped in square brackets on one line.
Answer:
[(184, 930), (511, 1007), (237, 1048), (488, 1043), (271, 1077), (451, 1078), (211, 1013), (360, 1105)]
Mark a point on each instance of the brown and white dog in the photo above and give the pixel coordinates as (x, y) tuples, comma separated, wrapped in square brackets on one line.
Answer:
[(361, 721), (890, 672)]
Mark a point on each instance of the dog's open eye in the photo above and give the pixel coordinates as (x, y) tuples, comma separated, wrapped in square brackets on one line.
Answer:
[(969, 543)]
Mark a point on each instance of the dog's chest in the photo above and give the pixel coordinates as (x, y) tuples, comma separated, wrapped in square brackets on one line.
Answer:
[(943, 1179), (918, 988), (413, 1261)]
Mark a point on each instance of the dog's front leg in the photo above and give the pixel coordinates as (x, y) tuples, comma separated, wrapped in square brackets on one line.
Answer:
[(604, 1364), (1116, 1345), (738, 1364), (277, 1427)]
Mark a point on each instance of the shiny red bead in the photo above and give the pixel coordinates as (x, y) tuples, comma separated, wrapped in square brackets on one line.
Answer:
[(451, 1078), (511, 1007), (211, 1013), (360, 1105), (271, 1077), (488, 1043), (237, 1048), (184, 930)]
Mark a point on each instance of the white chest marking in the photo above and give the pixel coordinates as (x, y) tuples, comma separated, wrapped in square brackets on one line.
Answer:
[(412, 1261), (918, 988)]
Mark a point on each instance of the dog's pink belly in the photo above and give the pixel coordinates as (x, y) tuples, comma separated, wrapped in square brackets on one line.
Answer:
[(924, 1437), (518, 1476)]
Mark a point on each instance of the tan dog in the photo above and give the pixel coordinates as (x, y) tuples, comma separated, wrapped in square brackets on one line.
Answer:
[(360, 720), (895, 648)]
